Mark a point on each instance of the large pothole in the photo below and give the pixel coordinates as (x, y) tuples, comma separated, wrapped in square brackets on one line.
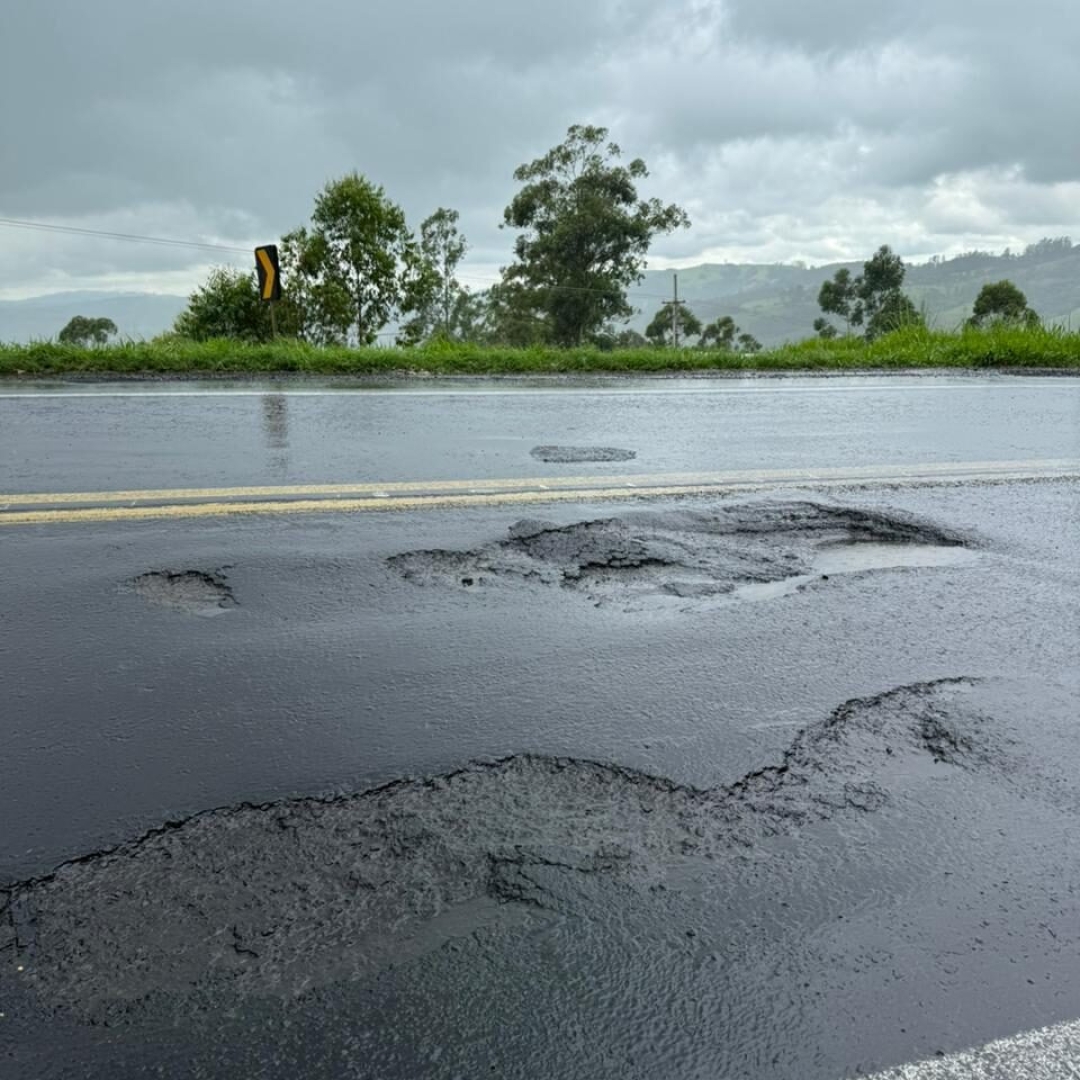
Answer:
[(273, 899), (745, 551)]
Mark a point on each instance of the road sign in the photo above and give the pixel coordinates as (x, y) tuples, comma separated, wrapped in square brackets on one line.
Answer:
[(266, 263)]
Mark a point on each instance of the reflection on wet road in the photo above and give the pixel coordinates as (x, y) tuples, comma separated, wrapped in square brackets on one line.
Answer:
[(87, 437)]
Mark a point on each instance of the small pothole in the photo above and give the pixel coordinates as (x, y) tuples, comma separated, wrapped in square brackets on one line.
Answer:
[(195, 592), (562, 455)]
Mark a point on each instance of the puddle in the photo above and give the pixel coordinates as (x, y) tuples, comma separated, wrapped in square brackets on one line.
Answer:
[(836, 559), (756, 591), (853, 558)]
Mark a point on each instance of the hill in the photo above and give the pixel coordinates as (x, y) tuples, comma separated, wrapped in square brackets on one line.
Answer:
[(777, 303), (137, 315)]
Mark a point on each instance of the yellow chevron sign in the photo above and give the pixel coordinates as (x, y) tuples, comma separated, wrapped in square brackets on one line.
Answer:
[(266, 264)]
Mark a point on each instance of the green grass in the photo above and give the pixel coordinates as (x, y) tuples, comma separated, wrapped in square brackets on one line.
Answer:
[(1000, 347)]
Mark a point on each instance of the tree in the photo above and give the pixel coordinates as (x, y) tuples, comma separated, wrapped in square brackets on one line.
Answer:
[(227, 305), (359, 249), (661, 331), (719, 334), (434, 291), (885, 307), (322, 305), (468, 315), (874, 300), (512, 315), (585, 232), (724, 333), (81, 330), (1002, 302), (630, 339), (1060, 245), (610, 337), (893, 311), (840, 297)]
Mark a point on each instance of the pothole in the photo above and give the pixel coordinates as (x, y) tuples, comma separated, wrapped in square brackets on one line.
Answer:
[(750, 551), (195, 592), (276, 898), (562, 455)]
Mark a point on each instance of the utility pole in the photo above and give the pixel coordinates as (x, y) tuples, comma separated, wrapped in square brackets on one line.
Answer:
[(675, 304)]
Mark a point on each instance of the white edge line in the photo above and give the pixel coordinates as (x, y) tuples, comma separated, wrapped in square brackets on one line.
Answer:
[(1049, 383), (1049, 1053)]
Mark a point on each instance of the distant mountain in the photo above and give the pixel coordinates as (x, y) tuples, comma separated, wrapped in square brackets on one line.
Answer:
[(778, 303), (137, 315), (774, 302)]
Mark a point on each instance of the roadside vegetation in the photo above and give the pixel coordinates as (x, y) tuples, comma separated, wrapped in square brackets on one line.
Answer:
[(1002, 345), (582, 236)]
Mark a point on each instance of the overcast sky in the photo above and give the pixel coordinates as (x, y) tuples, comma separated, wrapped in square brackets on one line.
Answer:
[(810, 130)]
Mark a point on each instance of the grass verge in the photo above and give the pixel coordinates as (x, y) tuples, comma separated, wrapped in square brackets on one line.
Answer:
[(999, 347)]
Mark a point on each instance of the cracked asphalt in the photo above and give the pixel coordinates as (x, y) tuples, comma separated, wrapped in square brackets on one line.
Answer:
[(770, 785)]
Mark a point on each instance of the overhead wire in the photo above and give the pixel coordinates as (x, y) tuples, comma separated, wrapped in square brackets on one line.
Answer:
[(75, 230), (162, 241)]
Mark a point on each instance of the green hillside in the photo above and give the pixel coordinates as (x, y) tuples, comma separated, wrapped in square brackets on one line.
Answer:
[(778, 303)]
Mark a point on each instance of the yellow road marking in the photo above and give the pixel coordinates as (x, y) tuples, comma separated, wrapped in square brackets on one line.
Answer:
[(380, 490), (308, 506), (449, 496), (384, 489)]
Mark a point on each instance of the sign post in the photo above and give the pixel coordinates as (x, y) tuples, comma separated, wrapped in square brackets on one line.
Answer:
[(269, 271)]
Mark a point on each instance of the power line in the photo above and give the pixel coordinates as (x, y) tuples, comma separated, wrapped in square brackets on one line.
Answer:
[(486, 285), (162, 241), (133, 238)]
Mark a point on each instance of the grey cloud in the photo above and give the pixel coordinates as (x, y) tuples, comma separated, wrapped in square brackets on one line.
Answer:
[(807, 129), (1018, 73), (828, 26)]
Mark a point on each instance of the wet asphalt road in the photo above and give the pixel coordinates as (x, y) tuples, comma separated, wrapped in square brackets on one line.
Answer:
[(924, 900), (139, 435)]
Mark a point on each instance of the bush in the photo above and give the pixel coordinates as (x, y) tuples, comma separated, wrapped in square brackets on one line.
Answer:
[(999, 346)]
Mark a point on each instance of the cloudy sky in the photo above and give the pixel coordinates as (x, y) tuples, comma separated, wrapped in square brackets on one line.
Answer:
[(807, 130)]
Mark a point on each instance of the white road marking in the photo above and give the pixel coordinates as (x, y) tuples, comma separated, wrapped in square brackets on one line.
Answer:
[(924, 386), (1050, 1053)]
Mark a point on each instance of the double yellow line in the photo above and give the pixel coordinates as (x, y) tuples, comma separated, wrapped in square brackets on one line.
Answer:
[(166, 504)]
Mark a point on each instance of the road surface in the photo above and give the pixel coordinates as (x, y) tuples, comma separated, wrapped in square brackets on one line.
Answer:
[(753, 705)]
